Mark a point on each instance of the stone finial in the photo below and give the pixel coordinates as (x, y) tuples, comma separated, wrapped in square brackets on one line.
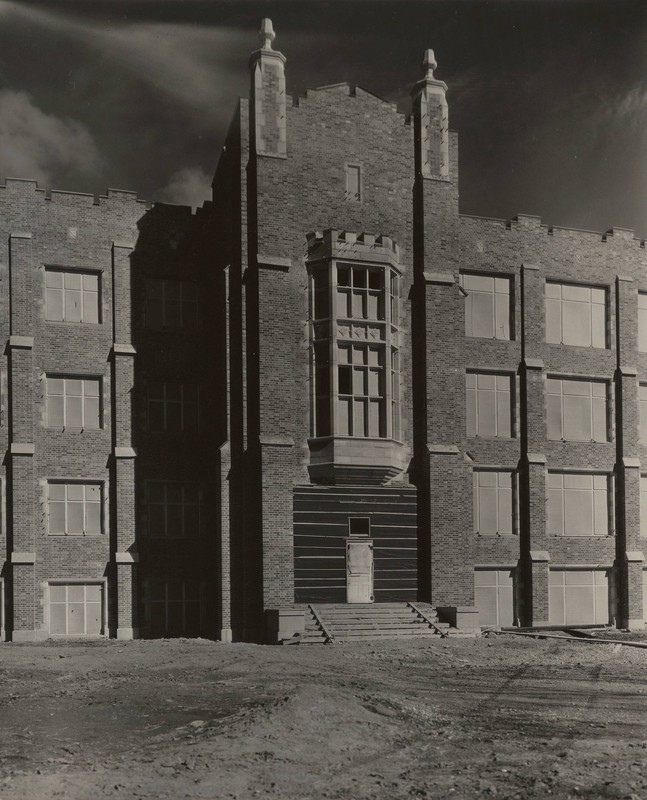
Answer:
[(429, 63), (266, 34)]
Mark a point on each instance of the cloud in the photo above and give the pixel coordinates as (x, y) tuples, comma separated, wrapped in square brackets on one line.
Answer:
[(178, 59), (37, 145), (190, 186)]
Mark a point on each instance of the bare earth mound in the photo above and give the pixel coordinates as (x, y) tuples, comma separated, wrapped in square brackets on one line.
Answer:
[(498, 717)]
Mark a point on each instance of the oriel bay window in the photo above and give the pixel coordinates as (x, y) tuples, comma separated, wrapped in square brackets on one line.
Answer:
[(356, 360)]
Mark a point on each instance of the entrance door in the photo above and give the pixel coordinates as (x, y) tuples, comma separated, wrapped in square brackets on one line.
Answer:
[(75, 609), (359, 572)]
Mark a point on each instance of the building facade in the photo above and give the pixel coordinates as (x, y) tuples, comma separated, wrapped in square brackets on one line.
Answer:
[(325, 386)]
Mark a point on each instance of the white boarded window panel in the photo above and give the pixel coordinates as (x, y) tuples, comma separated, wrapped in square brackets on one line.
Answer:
[(575, 315), (643, 505), (579, 597), (577, 410), (71, 296), (75, 609), (642, 412), (487, 307), (642, 322), (645, 595), (489, 405), (74, 509), (494, 596), (73, 403), (493, 502), (578, 504)]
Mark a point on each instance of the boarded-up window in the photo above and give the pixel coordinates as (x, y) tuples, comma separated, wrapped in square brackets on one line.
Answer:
[(173, 608), (579, 597), (642, 322), (173, 509), (643, 505), (74, 509), (642, 412), (494, 595), (578, 504), (76, 609), (489, 404), (73, 402), (71, 296), (493, 502), (487, 306), (575, 315), (645, 595), (577, 410), (171, 304)]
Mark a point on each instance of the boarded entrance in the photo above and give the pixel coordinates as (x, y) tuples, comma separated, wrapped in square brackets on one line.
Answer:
[(494, 596), (579, 597), (359, 571), (76, 609)]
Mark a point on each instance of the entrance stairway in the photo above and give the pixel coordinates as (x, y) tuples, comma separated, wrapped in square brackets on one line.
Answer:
[(370, 622)]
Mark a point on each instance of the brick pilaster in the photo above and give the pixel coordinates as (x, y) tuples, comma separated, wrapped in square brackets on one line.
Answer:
[(224, 549), (534, 551), (20, 494), (277, 455), (629, 559), (123, 540)]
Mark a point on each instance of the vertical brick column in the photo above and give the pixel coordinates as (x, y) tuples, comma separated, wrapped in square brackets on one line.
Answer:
[(20, 494), (123, 540), (448, 483), (534, 556), (223, 612), (629, 555), (277, 455)]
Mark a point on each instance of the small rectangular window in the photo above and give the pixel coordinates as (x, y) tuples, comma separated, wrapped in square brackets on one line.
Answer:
[(489, 404), (359, 526), (577, 410), (74, 509), (575, 315), (488, 306), (73, 402), (71, 296), (353, 182)]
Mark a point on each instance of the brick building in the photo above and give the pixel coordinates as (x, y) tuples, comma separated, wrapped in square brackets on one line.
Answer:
[(326, 386)]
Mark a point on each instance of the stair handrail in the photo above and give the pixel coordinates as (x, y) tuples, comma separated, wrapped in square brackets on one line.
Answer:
[(422, 614), (329, 636)]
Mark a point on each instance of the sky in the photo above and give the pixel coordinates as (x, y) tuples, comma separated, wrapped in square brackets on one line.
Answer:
[(549, 96)]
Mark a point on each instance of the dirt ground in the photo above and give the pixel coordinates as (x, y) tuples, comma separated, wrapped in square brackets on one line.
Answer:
[(497, 717)]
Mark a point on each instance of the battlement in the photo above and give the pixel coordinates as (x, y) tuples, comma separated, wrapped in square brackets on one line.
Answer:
[(23, 188), (332, 243), (532, 222)]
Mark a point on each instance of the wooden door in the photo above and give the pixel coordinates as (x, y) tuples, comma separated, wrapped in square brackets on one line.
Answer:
[(359, 572)]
